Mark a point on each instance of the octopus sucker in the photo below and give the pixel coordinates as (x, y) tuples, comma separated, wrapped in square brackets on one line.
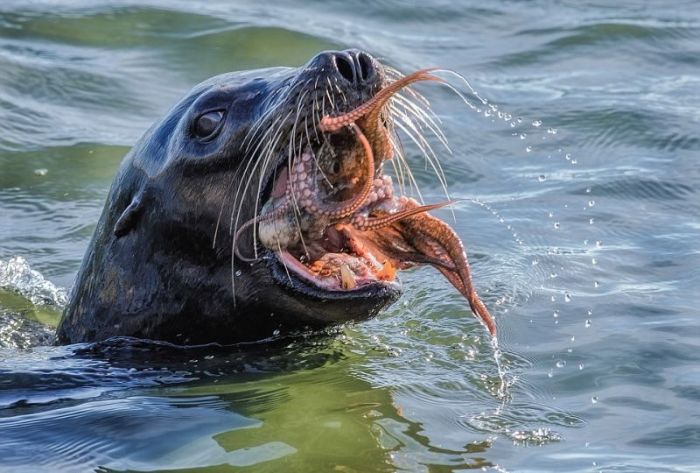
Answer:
[(335, 220)]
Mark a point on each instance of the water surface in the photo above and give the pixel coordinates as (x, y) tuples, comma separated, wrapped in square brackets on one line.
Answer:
[(581, 215)]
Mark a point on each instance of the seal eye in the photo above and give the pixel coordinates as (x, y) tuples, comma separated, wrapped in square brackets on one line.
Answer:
[(208, 123)]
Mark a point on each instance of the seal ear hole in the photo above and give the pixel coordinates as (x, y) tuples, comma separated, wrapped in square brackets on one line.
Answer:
[(207, 124), (128, 219)]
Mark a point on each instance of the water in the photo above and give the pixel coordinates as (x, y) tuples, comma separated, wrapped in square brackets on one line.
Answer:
[(581, 214)]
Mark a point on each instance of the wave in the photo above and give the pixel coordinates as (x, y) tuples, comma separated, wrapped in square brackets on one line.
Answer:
[(16, 275)]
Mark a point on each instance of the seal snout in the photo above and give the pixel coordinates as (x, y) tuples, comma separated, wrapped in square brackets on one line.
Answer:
[(356, 67), (352, 67)]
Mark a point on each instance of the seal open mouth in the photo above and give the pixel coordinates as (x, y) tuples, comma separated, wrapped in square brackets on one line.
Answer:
[(333, 221)]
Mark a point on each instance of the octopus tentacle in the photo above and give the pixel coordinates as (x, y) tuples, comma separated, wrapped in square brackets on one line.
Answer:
[(303, 184), (433, 237), (362, 222), (278, 212), (374, 106)]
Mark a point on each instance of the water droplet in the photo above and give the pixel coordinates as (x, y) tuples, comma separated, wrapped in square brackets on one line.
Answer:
[(594, 399), (238, 273), (596, 284), (589, 312), (552, 131), (553, 299), (587, 324), (594, 261), (550, 374), (551, 215), (519, 119), (552, 275), (573, 338), (561, 364), (580, 367), (555, 314), (556, 225), (507, 117), (598, 244), (528, 149), (535, 262), (591, 221), (567, 297), (591, 203), (537, 123), (523, 136), (542, 178), (568, 156), (41, 172), (574, 161)]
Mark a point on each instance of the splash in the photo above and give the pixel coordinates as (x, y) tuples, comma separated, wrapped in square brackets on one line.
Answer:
[(16, 275)]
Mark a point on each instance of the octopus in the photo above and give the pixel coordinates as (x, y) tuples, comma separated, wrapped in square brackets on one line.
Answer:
[(340, 223)]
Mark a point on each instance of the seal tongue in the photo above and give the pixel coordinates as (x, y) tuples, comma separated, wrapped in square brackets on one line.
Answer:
[(280, 185)]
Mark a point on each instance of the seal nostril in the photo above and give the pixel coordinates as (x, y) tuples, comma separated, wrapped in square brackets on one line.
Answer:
[(366, 68), (345, 68)]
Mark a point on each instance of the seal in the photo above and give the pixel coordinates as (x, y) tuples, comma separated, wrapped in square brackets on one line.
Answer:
[(258, 206)]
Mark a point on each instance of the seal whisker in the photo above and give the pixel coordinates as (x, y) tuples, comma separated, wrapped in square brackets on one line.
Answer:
[(271, 110), (418, 138), (290, 163), (409, 129), (397, 162), (250, 171), (284, 264), (407, 167), (262, 172), (420, 113), (221, 212)]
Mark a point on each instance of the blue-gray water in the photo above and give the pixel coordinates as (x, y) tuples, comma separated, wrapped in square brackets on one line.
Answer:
[(582, 219)]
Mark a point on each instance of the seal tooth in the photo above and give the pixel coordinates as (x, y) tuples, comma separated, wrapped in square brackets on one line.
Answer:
[(347, 277)]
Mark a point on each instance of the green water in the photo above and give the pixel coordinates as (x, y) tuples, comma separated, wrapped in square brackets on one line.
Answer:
[(581, 216)]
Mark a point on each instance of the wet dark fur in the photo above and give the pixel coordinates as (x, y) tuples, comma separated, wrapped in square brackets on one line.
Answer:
[(154, 268)]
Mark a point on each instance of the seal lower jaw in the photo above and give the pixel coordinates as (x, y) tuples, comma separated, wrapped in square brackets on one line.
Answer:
[(314, 303), (344, 260)]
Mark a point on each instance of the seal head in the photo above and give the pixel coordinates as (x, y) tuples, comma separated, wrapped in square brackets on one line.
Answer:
[(161, 264)]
